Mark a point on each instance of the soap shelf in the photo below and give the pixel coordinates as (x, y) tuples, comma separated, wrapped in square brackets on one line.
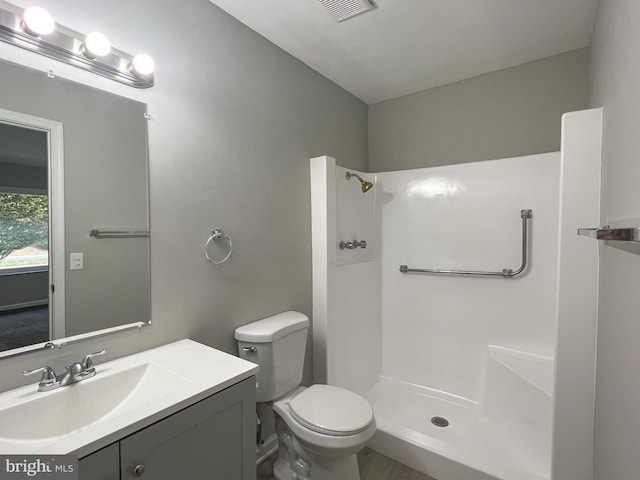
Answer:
[(628, 234)]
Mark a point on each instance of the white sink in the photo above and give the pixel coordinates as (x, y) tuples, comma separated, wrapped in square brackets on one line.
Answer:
[(125, 395), (71, 408)]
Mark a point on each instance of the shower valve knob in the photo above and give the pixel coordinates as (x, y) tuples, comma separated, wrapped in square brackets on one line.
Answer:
[(352, 245)]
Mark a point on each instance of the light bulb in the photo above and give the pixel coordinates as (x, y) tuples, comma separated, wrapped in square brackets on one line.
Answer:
[(142, 65), (36, 21), (96, 45)]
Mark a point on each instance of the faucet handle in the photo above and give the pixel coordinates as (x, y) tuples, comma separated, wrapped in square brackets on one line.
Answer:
[(48, 375), (87, 361), (75, 368)]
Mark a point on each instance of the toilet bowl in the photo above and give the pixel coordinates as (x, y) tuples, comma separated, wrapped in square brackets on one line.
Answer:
[(328, 425), (320, 428), (327, 420)]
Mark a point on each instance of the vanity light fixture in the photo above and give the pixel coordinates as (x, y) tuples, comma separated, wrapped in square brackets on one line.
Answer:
[(37, 21), (34, 29), (96, 45), (142, 65)]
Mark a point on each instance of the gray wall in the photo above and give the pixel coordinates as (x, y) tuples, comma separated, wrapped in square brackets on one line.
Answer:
[(24, 288), (502, 114), (235, 121), (23, 146), (615, 77), (19, 176)]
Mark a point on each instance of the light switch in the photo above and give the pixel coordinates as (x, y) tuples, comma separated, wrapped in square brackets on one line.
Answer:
[(76, 261)]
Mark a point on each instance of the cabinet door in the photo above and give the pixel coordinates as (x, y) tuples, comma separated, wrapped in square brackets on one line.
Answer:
[(213, 439), (101, 465)]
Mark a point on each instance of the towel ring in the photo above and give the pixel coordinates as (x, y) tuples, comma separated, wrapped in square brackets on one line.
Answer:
[(217, 235)]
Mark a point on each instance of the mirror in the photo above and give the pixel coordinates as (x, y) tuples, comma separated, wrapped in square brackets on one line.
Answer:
[(72, 159)]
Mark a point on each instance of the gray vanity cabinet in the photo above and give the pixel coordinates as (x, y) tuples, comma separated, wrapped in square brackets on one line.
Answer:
[(101, 465), (209, 440), (212, 439)]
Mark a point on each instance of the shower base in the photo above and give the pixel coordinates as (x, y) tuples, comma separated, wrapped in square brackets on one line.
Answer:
[(491, 441)]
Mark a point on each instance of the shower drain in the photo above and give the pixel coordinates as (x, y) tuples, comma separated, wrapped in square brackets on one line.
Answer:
[(440, 421)]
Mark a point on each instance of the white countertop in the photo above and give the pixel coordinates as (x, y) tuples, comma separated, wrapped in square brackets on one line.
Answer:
[(199, 371)]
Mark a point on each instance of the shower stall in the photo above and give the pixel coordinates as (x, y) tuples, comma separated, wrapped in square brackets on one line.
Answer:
[(461, 303)]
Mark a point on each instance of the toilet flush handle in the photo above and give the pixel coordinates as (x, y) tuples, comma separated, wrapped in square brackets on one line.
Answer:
[(251, 349)]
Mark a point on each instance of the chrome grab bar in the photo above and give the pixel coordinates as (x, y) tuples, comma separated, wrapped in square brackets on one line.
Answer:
[(624, 234), (118, 232), (525, 215)]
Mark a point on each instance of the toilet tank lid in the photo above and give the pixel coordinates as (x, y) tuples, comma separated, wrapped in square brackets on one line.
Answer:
[(271, 328)]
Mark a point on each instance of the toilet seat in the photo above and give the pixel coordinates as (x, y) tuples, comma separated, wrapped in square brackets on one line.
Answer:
[(331, 410)]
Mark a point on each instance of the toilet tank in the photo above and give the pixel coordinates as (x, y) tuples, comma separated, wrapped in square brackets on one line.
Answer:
[(277, 344)]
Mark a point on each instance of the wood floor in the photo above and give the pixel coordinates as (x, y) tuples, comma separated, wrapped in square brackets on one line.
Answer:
[(373, 466)]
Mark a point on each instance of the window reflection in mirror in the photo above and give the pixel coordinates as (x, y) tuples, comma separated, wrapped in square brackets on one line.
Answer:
[(24, 242)]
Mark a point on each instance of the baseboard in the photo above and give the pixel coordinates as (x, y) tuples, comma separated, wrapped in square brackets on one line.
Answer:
[(19, 306), (268, 448)]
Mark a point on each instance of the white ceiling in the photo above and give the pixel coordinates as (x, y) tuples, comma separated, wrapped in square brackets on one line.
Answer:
[(404, 46)]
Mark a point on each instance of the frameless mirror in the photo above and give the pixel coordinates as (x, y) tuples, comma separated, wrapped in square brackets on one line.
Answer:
[(74, 210)]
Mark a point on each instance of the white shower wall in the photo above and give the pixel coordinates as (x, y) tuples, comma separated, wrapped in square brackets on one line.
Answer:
[(436, 329), (357, 284), (432, 331), (347, 307)]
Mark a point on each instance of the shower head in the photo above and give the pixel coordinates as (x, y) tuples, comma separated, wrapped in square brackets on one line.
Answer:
[(366, 186)]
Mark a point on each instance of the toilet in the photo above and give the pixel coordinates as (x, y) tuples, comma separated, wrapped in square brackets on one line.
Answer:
[(320, 428)]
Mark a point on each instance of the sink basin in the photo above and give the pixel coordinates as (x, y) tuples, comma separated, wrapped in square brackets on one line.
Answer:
[(68, 409), (125, 395)]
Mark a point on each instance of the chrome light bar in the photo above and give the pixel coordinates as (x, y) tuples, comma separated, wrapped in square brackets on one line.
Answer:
[(68, 46)]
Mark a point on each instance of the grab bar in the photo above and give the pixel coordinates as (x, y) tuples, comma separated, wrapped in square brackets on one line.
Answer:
[(625, 234), (525, 215), (118, 232)]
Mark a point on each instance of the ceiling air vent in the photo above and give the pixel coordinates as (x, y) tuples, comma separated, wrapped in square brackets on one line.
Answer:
[(344, 9)]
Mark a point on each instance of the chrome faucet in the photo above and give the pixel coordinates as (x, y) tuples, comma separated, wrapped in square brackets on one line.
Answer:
[(74, 373)]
